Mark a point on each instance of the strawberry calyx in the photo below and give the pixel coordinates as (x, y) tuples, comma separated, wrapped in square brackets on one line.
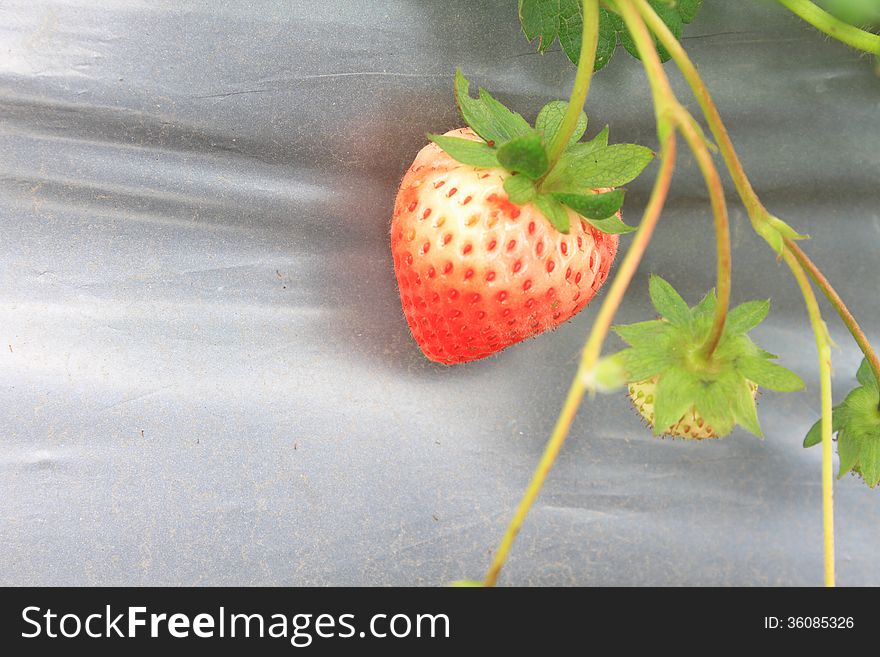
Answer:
[(687, 389), (856, 421), (509, 142)]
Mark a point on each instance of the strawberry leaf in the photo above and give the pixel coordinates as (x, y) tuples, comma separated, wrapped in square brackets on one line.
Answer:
[(525, 154), (688, 9), (475, 153), (668, 302), (599, 141), (554, 211), (668, 14), (486, 116), (769, 375), (547, 20), (611, 166), (550, 118), (747, 316), (520, 189), (593, 206)]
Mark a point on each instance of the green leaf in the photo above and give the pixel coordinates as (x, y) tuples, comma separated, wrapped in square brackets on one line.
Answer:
[(742, 402), (667, 301), (706, 308), (611, 166), (599, 141), (554, 211), (769, 375), (486, 116), (550, 118), (613, 225), (593, 206), (676, 392), (525, 155), (475, 153), (688, 9), (548, 20), (714, 406), (869, 461), (607, 42), (848, 450), (520, 189), (642, 364), (669, 16), (814, 435), (747, 316), (865, 375), (641, 333)]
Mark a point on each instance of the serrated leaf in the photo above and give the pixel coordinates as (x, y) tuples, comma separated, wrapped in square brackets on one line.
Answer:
[(769, 375), (524, 154), (865, 375), (742, 403), (611, 166), (593, 206), (747, 316), (676, 392), (613, 225), (474, 153), (869, 461), (667, 301), (641, 333), (520, 189), (486, 116), (642, 364), (714, 406), (550, 118), (554, 211), (668, 15), (547, 20), (688, 9), (599, 141), (847, 451)]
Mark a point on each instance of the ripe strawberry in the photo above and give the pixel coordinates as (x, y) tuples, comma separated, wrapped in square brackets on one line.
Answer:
[(691, 426), (478, 273)]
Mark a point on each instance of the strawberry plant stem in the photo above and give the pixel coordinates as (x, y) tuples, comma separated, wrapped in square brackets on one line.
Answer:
[(823, 346), (833, 27), (586, 61), (591, 352), (835, 300), (669, 109), (758, 214)]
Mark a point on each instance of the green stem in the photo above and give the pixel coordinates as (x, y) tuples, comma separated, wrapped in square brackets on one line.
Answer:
[(823, 346), (668, 106), (591, 352), (833, 27), (586, 61), (838, 304), (756, 210)]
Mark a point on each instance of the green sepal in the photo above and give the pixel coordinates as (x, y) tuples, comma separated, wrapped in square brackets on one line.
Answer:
[(865, 375), (747, 316), (593, 206), (554, 211), (769, 375), (675, 394), (667, 301), (486, 116), (525, 154), (550, 118), (611, 166), (467, 151), (520, 189), (613, 225)]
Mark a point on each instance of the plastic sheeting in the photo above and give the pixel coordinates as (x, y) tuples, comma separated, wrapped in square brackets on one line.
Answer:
[(207, 377)]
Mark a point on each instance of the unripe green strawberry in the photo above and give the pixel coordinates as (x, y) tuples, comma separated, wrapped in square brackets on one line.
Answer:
[(478, 273), (691, 426)]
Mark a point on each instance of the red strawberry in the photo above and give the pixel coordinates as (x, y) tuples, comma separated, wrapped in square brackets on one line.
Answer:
[(478, 273)]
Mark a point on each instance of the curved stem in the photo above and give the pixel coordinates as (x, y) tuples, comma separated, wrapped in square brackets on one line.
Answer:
[(586, 61), (591, 352), (835, 300), (681, 118), (833, 27), (823, 346)]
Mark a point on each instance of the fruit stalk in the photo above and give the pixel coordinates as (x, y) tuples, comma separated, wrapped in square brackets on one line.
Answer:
[(669, 109), (591, 352), (833, 27), (586, 61), (823, 346)]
